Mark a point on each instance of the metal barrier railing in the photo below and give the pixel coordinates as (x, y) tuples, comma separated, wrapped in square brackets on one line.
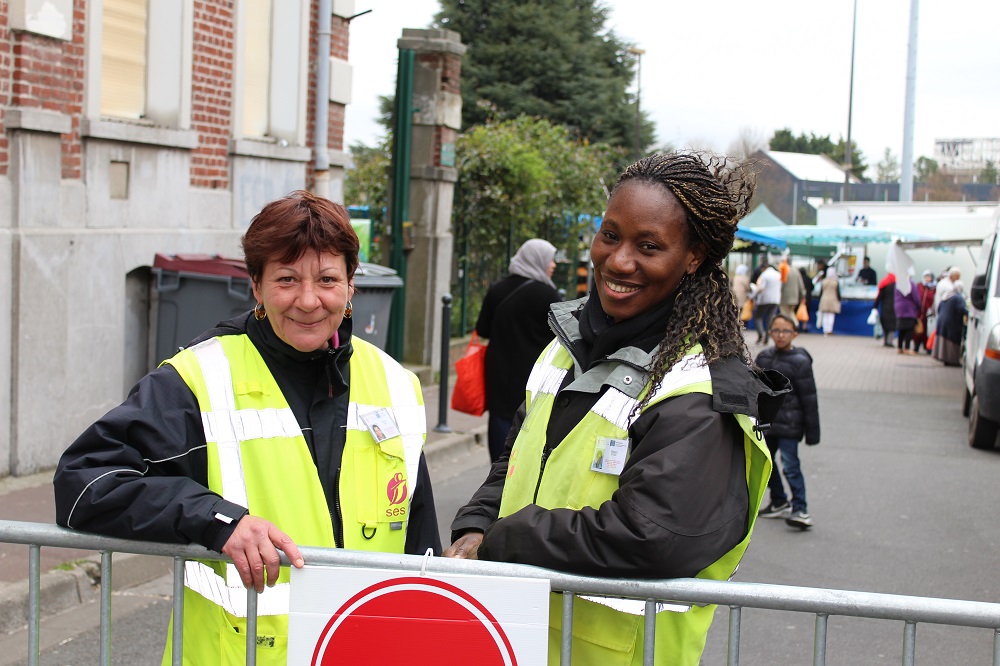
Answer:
[(822, 602)]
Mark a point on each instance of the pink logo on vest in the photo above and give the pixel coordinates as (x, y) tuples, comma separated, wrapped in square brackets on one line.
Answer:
[(414, 620), (396, 490)]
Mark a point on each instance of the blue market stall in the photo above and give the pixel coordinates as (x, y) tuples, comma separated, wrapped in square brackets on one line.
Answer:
[(856, 299)]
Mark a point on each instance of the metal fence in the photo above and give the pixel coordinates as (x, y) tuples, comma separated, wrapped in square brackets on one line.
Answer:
[(822, 603)]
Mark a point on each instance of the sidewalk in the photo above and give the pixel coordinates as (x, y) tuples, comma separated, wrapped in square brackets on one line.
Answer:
[(30, 499), (840, 363)]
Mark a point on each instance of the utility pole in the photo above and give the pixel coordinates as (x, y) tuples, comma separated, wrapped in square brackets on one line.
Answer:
[(637, 52), (848, 158), (906, 179)]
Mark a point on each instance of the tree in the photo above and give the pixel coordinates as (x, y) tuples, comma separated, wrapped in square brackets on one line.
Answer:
[(553, 60), (784, 140), (887, 169), (748, 141), (519, 179), (858, 166), (924, 168), (989, 173), (367, 184)]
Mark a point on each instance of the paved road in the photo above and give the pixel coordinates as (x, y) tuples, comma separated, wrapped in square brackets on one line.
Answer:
[(901, 504)]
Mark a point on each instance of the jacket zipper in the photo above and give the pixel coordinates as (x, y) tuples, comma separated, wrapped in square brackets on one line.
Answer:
[(545, 456), (336, 517)]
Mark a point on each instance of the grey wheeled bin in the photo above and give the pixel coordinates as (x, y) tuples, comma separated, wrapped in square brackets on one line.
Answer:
[(374, 286), (191, 293)]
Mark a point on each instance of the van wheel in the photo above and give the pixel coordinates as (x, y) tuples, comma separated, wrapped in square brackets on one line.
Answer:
[(966, 402), (982, 431)]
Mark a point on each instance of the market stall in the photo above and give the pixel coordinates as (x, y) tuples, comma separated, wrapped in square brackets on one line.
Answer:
[(856, 299)]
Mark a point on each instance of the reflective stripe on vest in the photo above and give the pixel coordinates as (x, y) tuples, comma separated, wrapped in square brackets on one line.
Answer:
[(227, 427)]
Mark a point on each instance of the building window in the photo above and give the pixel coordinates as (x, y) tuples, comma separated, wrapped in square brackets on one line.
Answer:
[(272, 57), (123, 59), (140, 66)]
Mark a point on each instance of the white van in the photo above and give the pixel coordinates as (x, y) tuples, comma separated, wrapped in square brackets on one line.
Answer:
[(982, 346)]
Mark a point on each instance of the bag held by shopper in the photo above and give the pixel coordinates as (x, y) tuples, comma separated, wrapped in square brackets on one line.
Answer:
[(802, 313), (873, 317), (469, 394), (746, 312), (919, 328)]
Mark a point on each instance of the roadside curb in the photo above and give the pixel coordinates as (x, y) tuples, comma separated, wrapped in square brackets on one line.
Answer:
[(80, 583), (443, 450)]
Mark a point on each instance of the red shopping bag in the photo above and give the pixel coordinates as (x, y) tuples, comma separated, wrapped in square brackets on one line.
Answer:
[(469, 394)]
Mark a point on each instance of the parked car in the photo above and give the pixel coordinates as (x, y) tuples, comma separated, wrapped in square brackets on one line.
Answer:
[(982, 346)]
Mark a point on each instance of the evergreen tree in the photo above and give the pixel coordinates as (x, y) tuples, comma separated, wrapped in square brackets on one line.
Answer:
[(554, 60), (924, 168), (989, 173), (858, 166)]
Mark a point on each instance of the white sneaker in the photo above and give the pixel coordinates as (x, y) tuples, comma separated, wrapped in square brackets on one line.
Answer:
[(799, 519)]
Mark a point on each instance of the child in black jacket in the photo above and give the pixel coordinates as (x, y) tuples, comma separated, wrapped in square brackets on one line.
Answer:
[(798, 418)]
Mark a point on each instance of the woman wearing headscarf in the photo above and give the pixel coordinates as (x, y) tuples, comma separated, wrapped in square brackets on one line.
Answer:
[(741, 286), (950, 325), (885, 302), (906, 303), (514, 318), (829, 300), (927, 288)]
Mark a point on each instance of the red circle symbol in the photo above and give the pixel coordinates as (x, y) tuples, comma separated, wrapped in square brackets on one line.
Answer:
[(412, 621)]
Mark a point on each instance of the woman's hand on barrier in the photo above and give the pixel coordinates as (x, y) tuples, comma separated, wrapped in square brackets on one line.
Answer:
[(466, 547), (253, 547)]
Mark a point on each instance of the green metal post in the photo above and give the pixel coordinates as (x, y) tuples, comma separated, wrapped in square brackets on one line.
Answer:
[(464, 263), (402, 137)]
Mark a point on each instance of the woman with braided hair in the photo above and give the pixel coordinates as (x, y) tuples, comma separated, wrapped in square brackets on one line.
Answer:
[(652, 372)]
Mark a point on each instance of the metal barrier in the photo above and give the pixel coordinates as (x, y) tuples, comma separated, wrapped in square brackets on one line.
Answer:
[(737, 596)]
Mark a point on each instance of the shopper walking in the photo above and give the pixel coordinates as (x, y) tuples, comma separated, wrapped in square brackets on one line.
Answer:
[(885, 303), (514, 318), (829, 300), (906, 304), (767, 297)]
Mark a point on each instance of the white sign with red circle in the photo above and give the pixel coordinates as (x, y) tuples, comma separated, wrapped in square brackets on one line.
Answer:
[(376, 616)]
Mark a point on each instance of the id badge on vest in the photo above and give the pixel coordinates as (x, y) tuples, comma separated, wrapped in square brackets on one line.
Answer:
[(610, 455), (380, 424)]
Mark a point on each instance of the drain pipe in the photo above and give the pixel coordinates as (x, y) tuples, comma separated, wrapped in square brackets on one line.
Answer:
[(320, 149)]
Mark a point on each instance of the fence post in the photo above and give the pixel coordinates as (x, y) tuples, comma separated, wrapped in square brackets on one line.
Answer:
[(442, 425)]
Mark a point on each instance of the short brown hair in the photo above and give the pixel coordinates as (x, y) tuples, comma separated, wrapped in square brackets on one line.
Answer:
[(287, 228)]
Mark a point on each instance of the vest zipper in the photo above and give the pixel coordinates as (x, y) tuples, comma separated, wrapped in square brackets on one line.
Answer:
[(336, 518), (545, 456)]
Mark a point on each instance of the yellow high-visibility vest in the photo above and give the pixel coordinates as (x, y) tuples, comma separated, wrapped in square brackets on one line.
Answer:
[(609, 632), (258, 458)]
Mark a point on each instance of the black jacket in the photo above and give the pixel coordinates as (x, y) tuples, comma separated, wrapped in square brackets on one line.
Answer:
[(518, 330), (141, 471), (682, 500), (885, 301), (799, 415)]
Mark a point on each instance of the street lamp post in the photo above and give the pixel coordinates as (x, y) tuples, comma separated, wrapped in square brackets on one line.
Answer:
[(848, 158), (637, 52)]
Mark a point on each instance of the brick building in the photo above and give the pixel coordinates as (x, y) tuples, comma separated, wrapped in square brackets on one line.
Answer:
[(128, 128)]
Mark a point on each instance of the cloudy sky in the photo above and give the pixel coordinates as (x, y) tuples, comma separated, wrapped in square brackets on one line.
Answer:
[(715, 70)]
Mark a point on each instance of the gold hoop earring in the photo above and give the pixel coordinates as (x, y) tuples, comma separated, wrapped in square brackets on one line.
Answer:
[(258, 312), (349, 310)]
